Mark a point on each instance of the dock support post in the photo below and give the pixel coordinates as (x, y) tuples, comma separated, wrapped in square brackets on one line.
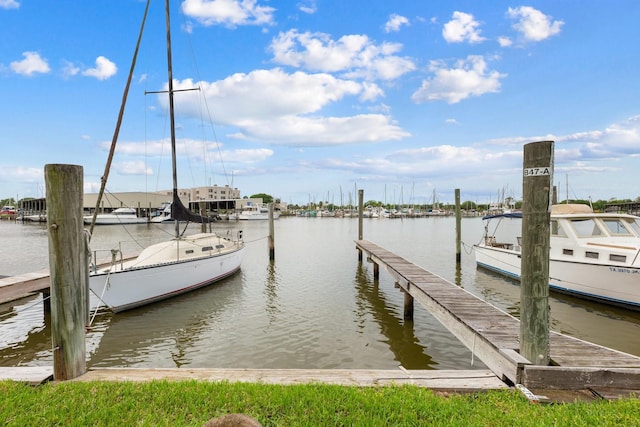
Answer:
[(46, 300), (534, 290), (458, 226), (408, 305), (376, 271), (272, 245), (68, 269)]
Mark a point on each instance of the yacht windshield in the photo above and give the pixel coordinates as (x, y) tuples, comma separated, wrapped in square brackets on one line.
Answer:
[(616, 227), (635, 226), (586, 228)]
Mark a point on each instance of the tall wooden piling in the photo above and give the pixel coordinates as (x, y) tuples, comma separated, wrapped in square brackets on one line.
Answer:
[(360, 216), (534, 290), (272, 240), (458, 227), (68, 269)]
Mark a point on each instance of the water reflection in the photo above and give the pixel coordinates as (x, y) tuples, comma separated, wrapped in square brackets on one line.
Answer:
[(399, 333), (270, 291), (19, 346), (165, 333)]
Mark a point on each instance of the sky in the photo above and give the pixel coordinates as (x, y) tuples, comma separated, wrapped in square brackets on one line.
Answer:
[(312, 100)]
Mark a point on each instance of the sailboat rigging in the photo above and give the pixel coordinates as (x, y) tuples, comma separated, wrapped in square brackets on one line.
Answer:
[(179, 265)]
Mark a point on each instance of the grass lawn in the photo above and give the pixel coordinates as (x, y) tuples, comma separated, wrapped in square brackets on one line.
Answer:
[(192, 403)]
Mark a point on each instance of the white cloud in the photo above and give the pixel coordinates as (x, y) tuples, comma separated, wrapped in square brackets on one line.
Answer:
[(308, 6), (69, 69), (618, 140), (24, 174), (160, 147), (246, 155), (228, 12), (324, 131), (31, 64), (469, 77), (463, 27), (533, 24), (264, 94), (103, 70), (9, 4), (354, 55), (371, 92), (505, 41), (279, 108), (435, 161), (395, 22), (136, 167)]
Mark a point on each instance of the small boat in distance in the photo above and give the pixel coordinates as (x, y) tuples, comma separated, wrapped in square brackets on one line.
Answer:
[(163, 214), (116, 217), (257, 211), (172, 267), (594, 256)]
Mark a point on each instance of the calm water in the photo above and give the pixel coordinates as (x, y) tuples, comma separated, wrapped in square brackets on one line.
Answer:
[(314, 307)]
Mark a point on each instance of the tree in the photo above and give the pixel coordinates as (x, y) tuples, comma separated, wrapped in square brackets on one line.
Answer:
[(266, 198), (468, 205)]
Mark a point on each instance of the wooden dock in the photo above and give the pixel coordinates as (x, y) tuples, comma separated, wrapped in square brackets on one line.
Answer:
[(456, 381), (445, 380), (493, 335), (13, 288)]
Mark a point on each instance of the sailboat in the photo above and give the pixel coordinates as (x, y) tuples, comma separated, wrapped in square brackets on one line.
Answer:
[(173, 267)]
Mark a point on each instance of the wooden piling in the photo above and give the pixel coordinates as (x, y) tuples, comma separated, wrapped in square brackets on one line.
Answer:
[(534, 290), (458, 226), (360, 216), (201, 211), (272, 245), (408, 305), (68, 269)]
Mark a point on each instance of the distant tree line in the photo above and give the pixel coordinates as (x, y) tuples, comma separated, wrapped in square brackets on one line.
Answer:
[(598, 205)]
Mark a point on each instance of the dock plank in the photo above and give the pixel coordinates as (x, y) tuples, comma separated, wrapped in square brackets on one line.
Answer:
[(13, 288), (455, 380)]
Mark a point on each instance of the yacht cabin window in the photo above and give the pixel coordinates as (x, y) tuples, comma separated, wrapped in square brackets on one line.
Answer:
[(587, 228), (557, 230), (616, 226), (635, 225)]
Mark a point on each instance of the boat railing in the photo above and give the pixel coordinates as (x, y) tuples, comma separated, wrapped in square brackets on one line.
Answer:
[(491, 241), (93, 266)]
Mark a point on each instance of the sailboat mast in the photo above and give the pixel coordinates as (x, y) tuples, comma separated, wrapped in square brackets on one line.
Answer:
[(174, 167)]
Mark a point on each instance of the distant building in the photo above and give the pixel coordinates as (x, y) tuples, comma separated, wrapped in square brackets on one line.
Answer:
[(205, 193), (215, 199)]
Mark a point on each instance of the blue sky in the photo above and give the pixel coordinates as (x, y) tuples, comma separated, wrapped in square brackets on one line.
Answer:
[(312, 99)]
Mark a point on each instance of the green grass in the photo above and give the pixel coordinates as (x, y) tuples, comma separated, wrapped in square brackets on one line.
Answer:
[(191, 403)]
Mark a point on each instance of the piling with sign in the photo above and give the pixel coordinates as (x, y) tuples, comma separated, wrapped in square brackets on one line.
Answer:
[(537, 181)]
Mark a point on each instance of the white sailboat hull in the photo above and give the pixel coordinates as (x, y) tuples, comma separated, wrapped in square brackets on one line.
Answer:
[(165, 270)]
